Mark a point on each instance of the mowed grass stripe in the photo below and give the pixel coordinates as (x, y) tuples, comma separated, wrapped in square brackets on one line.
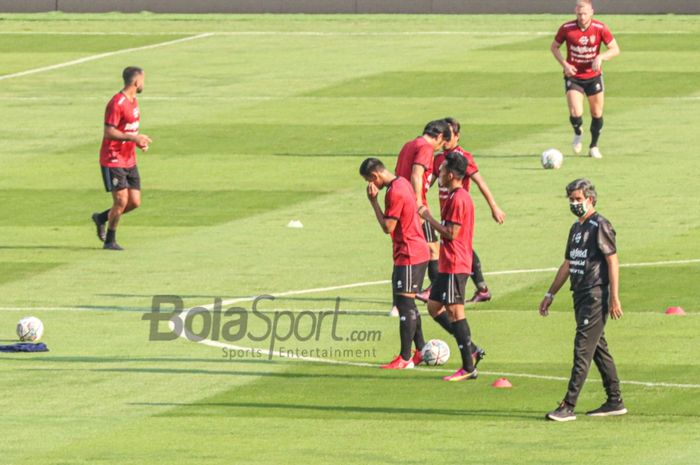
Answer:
[(507, 84), (161, 208)]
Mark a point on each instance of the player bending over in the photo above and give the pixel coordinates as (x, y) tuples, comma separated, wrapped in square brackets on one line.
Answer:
[(410, 251)]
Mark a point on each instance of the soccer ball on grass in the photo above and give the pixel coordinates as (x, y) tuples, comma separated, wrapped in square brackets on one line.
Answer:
[(552, 159), (436, 352), (30, 329)]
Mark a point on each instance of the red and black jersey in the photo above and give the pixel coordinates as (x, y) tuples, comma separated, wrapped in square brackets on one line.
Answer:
[(472, 169), (582, 46), (124, 115), (456, 254), (416, 152), (410, 247), (588, 245)]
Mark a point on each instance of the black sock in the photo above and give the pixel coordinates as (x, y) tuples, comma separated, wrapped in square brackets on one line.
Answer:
[(576, 122), (477, 276), (463, 337), (433, 271), (443, 319), (407, 323), (418, 339), (596, 128), (111, 236), (103, 217)]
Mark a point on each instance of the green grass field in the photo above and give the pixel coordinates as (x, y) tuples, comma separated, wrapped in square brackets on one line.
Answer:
[(266, 121)]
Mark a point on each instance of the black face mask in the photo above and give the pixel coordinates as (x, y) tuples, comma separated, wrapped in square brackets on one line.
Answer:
[(578, 208)]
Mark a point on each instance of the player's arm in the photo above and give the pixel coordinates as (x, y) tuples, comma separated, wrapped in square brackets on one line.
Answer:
[(417, 182), (447, 231), (615, 308), (568, 68), (387, 224), (498, 215), (141, 140), (559, 280), (612, 51)]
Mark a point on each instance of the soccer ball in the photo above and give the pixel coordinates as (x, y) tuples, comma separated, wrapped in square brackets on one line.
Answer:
[(30, 329), (436, 352), (552, 159)]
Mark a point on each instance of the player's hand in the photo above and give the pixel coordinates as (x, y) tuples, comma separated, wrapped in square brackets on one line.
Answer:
[(498, 215), (372, 191), (597, 63), (544, 305), (142, 141), (569, 69), (615, 308)]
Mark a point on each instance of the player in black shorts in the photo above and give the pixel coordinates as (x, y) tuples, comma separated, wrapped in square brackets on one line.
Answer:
[(592, 266), (120, 174)]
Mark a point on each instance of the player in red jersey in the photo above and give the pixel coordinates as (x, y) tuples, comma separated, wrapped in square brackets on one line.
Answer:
[(118, 156), (583, 70), (482, 293), (411, 253), (415, 163), (446, 303)]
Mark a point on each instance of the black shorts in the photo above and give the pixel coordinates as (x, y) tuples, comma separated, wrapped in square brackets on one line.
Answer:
[(116, 179), (449, 288), (585, 86), (429, 232), (408, 279)]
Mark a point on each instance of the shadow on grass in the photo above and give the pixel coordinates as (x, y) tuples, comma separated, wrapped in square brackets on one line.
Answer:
[(372, 411)]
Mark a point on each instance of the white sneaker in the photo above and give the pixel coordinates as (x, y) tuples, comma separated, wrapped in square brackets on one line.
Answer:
[(576, 143), (594, 152), (394, 312)]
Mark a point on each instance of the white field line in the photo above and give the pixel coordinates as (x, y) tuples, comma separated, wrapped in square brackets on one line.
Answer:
[(317, 290), (293, 356), (324, 33), (100, 56)]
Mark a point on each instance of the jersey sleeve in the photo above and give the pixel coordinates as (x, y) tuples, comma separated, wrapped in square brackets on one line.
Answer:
[(113, 114), (424, 157), (455, 212), (606, 238), (392, 205), (560, 38), (606, 35), (472, 169)]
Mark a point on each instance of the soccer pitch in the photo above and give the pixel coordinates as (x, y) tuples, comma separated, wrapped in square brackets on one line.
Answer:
[(259, 120)]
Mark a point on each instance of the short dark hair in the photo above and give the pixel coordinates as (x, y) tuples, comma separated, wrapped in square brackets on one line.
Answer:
[(370, 165), (456, 163), (437, 127), (129, 73), (454, 124), (585, 186)]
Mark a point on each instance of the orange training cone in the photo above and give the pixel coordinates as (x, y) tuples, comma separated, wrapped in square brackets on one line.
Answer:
[(502, 383), (675, 311)]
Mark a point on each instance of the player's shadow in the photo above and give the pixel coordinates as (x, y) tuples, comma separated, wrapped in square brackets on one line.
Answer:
[(346, 409)]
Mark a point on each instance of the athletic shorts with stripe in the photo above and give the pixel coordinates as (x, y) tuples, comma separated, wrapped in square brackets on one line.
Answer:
[(408, 279), (449, 288), (429, 232)]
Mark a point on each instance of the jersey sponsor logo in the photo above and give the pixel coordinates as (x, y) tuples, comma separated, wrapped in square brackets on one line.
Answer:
[(578, 253), (583, 50), (131, 127)]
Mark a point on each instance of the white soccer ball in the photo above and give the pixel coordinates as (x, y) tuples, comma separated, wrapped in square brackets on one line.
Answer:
[(30, 329), (436, 352), (552, 159)]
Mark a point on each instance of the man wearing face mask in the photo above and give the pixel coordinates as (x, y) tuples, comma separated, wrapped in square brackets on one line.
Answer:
[(592, 266)]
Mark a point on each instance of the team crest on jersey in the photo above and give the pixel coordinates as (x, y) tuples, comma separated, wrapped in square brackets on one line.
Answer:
[(136, 113), (583, 40), (591, 39)]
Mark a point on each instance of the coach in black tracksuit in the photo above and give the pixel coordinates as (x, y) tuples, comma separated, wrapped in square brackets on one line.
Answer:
[(592, 266)]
